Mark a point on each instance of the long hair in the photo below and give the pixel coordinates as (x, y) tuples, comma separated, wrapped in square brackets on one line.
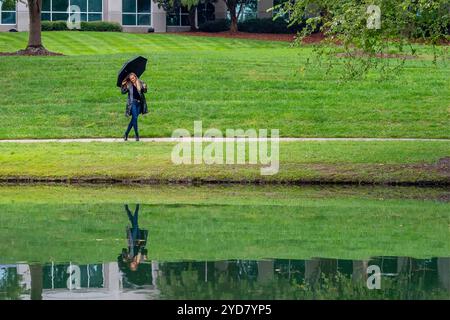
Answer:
[(138, 82)]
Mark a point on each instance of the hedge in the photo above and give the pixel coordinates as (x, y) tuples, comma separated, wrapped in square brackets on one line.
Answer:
[(54, 25), (101, 26), (215, 26), (266, 25), (85, 26)]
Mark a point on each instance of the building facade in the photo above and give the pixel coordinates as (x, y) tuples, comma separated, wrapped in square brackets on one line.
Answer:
[(133, 15)]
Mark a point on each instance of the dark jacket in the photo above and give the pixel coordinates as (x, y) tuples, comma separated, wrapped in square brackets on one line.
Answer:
[(128, 88)]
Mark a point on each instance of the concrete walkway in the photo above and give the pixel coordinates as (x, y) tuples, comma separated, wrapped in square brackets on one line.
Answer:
[(157, 140)]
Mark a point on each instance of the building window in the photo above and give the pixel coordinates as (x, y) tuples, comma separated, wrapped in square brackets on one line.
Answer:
[(205, 12), (8, 12), (136, 12), (179, 17), (56, 10), (248, 10)]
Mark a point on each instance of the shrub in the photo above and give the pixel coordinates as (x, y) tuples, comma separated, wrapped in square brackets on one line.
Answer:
[(85, 26), (267, 25), (101, 26), (215, 26), (423, 27), (54, 25)]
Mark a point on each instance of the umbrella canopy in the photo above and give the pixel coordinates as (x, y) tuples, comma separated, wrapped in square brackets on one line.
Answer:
[(136, 65)]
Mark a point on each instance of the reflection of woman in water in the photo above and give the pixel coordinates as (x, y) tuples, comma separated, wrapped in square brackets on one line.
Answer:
[(136, 253), (137, 239)]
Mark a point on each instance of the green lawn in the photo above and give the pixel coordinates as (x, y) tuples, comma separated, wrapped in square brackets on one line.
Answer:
[(325, 161), (226, 83), (87, 225)]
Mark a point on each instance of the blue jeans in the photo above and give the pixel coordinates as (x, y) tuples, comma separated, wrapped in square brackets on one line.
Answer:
[(135, 109), (134, 221)]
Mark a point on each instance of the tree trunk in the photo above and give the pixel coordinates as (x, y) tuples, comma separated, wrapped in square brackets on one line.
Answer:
[(233, 26), (192, 18), (35, 47), (231, 6), (35, 39)]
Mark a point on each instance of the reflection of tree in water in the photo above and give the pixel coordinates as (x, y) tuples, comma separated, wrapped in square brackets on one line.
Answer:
[(298, 279), (37, 280), (10, 288), (246, 269), (414, 273), (402, 278), (202, 280)]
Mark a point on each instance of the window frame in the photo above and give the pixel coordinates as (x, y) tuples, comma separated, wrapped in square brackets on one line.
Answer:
[(87, 12), (204, 10), (8, 11), (245, 6), (242, 16), (136, 14), (178, 14)]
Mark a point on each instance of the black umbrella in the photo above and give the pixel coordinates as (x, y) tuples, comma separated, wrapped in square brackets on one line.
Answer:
[(136, 65)]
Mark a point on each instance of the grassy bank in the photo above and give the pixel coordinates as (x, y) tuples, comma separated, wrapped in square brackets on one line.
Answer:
[(213, 223), (324, 161), (226, 83), (210, 194)]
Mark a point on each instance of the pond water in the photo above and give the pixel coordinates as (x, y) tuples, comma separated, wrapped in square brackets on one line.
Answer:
[(400, 278), (215, 242)]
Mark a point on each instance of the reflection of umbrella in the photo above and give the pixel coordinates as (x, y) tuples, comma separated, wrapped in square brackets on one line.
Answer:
[(136, 65)]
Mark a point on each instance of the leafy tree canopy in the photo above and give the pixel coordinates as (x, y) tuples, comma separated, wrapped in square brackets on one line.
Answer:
[(368, 30)]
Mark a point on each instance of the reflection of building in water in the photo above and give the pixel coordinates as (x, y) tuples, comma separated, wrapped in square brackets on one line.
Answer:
[(284, 278), (92, 281), (279, 278), (443, 267)]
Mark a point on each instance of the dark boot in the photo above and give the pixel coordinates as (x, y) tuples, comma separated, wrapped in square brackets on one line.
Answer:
[(125, 137), (137, 138)]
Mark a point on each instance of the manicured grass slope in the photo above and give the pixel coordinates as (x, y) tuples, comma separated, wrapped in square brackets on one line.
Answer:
[(331, 161), (196, 223), (225, 83), (52, 194)]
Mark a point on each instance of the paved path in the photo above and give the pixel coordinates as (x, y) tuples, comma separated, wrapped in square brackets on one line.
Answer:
[(131, 139)]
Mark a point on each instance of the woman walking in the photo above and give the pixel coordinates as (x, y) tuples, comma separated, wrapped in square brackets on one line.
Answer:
[(136, 103)]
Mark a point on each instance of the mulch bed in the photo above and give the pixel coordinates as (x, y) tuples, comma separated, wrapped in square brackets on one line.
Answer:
[(33, 52), (254, 36), (29, 54), (314, 38), (378, 55)]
